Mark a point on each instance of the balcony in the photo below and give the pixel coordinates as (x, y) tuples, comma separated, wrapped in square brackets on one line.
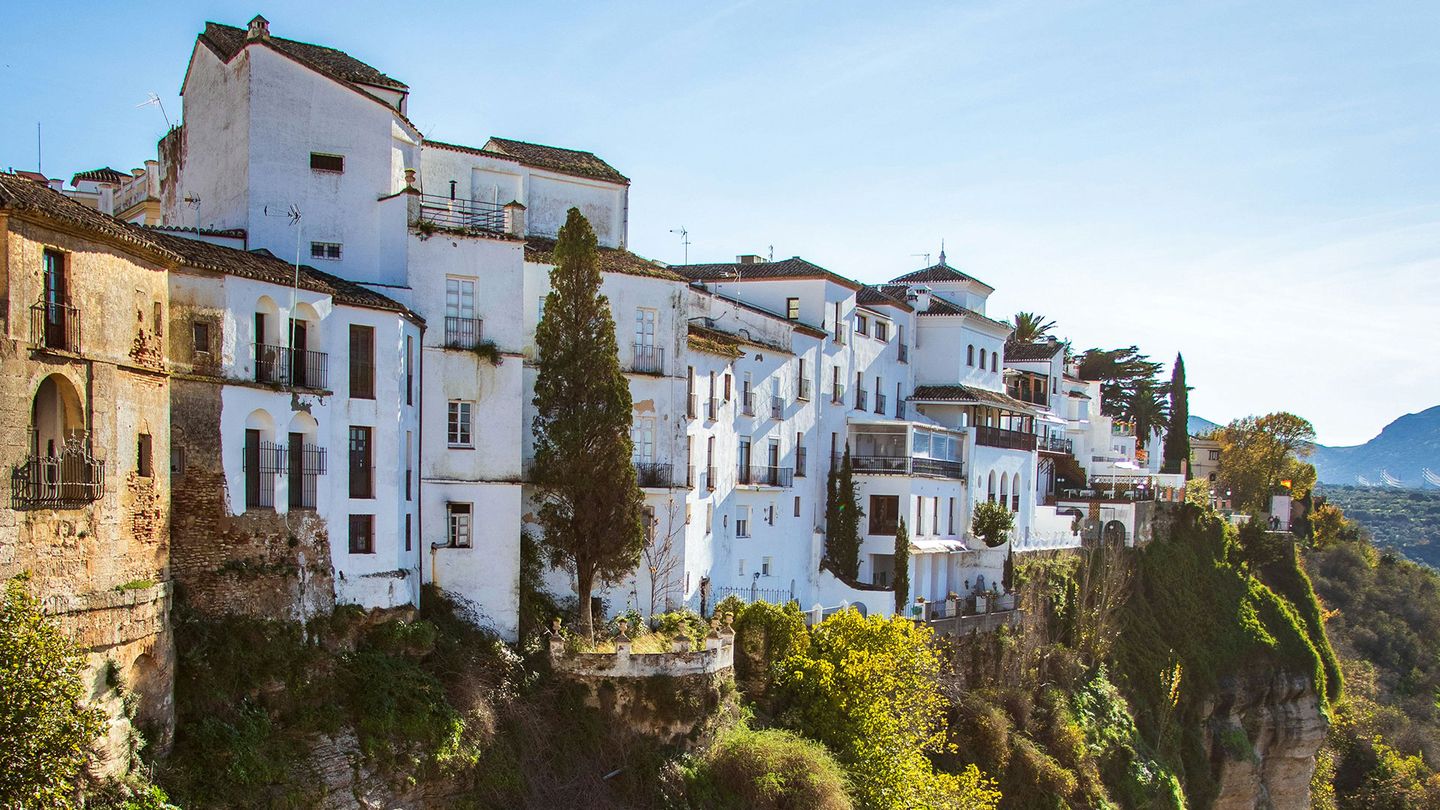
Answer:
[(802, 389), (1004, 439), (463, 333), (692, 405), (765, 476), (712, 409), (862, 399), (1055, 444), (304, 466), (648, 359), (282, 365), (690, 477), (904, 352), (710, 478), (465, 215), (837, 394), (67, 481), (651, 475), (777, 407), (899, 409), (55, 326), (747, 403), (879, 403), (905, 465), (842, 334)]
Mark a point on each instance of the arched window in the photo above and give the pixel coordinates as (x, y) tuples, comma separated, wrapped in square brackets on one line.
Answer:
[(995, 361), (1015, 492), (982, 359), (304, 462), (60, 472), (1004, 490), (990, 487), (970, 355), (260, 461)]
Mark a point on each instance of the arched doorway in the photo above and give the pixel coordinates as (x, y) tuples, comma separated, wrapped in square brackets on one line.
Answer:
[(1114, 532), (60, 471)]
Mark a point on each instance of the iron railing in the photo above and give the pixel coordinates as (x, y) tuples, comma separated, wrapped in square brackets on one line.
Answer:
[(879, 403), (1056, 444), (904, 352), (282, 365), (710, 478), (262, 462), (69, 480), (648, 359), (899, 409), (861, 399), (765, 476), (55, 326), (304, 465), (469, 215), (650, 474), (802, 391), (1004, 439), (747, 403), (690, 477), (837, 393), (777, 407), (905, 465), (463, 333), (712, 409)]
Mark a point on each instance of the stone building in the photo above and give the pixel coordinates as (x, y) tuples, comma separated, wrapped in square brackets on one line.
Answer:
[(86, 402)]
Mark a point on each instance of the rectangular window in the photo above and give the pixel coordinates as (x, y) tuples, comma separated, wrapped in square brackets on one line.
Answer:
[(882, 331), (792, 308), (952, 517), (884, 514), (709, 517), (797, 506), (321, 162), (764, 566), (459, 298), (919, 516), (325, 250), (935, 513), (254, 491), (409, 539), (862, 325), (1214, 455), (362, 534), (742, 521), (159, 319), (642, 439), (177, 461), (540, 309), (362, 362), (144, 458), (460, 424), (409, 467), (458, 515), (409, 369), (728, 385), (742, 568), (645, 328), (200, 336), (800, 455), (362, 463)]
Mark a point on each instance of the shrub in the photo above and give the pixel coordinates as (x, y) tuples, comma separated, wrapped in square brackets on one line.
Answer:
[(767, 769)]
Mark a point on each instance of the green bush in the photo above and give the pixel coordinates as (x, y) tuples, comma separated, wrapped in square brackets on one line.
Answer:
[(767, 769)]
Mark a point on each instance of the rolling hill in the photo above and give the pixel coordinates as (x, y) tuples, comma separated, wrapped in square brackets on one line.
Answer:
[(1403, 449)]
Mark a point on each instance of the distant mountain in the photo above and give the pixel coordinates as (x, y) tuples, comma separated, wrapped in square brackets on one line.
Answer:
[(1199, 426), (1402, 450)]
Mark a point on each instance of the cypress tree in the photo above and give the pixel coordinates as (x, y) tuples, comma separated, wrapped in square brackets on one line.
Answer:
[(589, 504), (843, 512), (902, 567), (1177, 438)]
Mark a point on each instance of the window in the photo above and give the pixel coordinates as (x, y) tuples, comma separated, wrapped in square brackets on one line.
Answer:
[(742, 568), (995, 361), (765, 566), (409, 470), (799, 455), (408, 538), (919, 516), (970, 355), (862, 325), (458, 518), (935, 514), (727, 386), (792, 308), (802, 389), (742, 521), (1214, 455), (459, 298), (645, 328), (797, 506), (362, 463), (177, 461), (362, 362), (982, 359), (642, 437), (882, 331), (159, 319), (144, 458), (459, 424), (409, 369), (56, 298), (321, 162), (362, 534), (884, 514), (709, 517), (200, 336), (540, 309), (324, 250)]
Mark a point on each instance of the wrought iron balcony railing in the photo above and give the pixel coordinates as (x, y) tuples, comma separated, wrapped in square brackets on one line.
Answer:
[(1056, 444), (802, 390), (55, 326), (463, 333), (282, 365), (861, 399), (765, 476), (777, 407), (463, 214), (905, 465), (650, 474), (837, 393), (904, 352), (1004, 439), (879, 403), (747, 403), (69, 480), (648, 359)]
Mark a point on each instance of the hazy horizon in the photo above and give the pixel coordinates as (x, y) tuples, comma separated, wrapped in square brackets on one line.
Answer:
[(1253, 187)]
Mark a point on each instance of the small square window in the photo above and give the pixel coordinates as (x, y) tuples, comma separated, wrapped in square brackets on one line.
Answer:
[(460, 424), (362, 534), (325, 250), (322, 162), (792, 308), (460, 526), (765, 566), (200, 336)]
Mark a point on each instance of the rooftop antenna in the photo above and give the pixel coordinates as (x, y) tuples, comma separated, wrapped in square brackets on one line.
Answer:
[(194, 202), (684, 240), (38, 164), (155, 99), (926, 255)]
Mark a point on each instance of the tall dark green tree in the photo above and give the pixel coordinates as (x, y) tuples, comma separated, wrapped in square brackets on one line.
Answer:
[(590, 506), (843, 513), (1144, 406), (1177, 439), (1120, 372), (902, 567)]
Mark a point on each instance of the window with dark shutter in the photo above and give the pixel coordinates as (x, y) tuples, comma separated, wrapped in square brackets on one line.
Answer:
[(322, 162), (362, 463), (362, 362), (362, 534)]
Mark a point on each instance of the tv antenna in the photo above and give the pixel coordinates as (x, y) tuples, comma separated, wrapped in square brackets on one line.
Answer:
[(684, 240), (155, 100), (926, 255)]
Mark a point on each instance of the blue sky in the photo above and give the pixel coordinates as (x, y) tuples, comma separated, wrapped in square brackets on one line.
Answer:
[(1255, 186)]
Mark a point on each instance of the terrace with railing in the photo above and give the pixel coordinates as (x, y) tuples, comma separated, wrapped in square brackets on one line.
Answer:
[(55, 326), (1056, 444), (906, 450), (69, 480), (648, 359), (987, 436), (465, 215), (765, 476), (282, 365)]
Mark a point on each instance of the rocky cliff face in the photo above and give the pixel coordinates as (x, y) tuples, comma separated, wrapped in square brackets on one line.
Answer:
[(1263, 730)]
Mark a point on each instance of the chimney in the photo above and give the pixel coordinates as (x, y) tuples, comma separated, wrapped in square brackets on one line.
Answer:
[(515, 218), (259, 29), (749, 258)]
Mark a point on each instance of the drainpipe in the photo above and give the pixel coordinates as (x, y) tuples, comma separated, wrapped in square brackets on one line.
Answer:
[(419, 476)]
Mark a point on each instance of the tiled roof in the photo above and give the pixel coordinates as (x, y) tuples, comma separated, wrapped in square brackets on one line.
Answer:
[(939, 306), (34, 177), (564, 161), (882, 296), (954, 392), (105, 175), (261, 265), (713, 341), (1030, 352), (792, 268), (228, 40), (24, 194), (937, 274), (612, 260)]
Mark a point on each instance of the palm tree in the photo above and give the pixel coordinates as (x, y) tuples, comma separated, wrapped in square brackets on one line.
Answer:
[(1144, 405), (1030, 327)]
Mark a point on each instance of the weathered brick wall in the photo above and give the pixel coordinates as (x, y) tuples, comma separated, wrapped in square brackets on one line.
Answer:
[(258, 563)]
